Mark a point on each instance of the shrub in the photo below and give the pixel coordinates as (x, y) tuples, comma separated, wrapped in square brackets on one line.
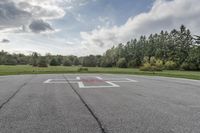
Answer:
[(133, 64), (185, 66), (89, 61), (54, 62), (159, 64), (83, 69), (34, 62), (42, 62), (105, 63), (76, 62), (122, 63), (192, 66), (67, 62), (188, 66), (146, 59), (170, 65), (11, 61), (146, 67), (152, 61), (156, 68), (154, 65)]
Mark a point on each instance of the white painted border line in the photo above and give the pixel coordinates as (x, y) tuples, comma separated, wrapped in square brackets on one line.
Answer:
[(99, 86), (132, 80), (57, 81), (113, 85), (124, 81), (61, 82), (99, 78), (47, 81), (91, 87), (80, 83), (115, 78)]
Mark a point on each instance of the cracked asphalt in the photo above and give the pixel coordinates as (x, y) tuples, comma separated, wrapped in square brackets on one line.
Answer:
[(151, 105)]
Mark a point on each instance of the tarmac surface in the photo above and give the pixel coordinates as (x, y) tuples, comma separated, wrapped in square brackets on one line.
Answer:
[(98, 103)]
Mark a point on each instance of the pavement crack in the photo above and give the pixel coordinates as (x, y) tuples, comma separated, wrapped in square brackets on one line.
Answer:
[(14, 94), (102, 128)]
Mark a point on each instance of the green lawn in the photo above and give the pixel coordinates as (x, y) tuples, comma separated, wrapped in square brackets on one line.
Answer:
[(25, 69)]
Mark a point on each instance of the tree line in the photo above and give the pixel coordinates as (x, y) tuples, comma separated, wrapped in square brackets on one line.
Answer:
[(176, 49)]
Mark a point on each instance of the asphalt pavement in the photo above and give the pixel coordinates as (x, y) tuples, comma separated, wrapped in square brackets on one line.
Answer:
[(98, 103)]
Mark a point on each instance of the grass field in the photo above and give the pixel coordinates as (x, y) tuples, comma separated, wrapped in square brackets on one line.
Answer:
[(25, 69)]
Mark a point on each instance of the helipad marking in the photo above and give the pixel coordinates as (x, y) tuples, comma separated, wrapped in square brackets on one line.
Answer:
[(110, 81), (99, 78), (58, 81)]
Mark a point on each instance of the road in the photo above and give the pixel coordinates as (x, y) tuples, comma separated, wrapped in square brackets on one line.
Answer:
[(98, 103)]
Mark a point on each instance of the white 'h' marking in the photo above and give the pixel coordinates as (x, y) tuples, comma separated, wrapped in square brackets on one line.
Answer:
[(110, 81)]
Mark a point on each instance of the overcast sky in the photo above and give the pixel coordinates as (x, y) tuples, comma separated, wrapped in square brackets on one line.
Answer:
[(82, 27)]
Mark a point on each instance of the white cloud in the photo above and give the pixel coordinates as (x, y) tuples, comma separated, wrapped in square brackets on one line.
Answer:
[(45, 9), (106, 21), (16, 14), (164, 15)]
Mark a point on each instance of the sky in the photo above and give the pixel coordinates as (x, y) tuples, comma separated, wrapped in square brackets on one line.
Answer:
[(84, 27)]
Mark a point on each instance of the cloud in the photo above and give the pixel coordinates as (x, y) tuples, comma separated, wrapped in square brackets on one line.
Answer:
[(164, 15), (5, 41), (71, 4), (106, 21), (11, 16), (46, 10), (39, 26), (17, 14)]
